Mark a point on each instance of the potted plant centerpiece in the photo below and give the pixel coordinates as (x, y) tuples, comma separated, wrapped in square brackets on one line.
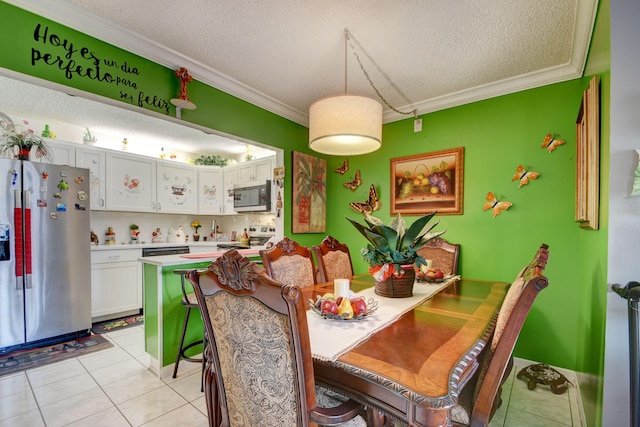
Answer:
[(16, 143), (195, 225), (392, 251)]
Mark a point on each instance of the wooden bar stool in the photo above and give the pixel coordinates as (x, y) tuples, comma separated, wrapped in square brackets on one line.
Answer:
[(190, 301)]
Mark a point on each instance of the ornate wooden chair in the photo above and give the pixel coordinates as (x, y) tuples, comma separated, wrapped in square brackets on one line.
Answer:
[(443, 254), (478, 403), (334, 260), (259, 348), (289, 263)]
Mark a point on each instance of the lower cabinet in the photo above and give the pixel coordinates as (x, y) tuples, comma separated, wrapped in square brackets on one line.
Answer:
[(116, 283)]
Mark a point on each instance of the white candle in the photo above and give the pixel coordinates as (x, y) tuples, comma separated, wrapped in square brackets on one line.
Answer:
[(424, 268), (341, 288)]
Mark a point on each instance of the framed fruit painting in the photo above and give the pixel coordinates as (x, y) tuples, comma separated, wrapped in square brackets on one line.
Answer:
[(422, 183)]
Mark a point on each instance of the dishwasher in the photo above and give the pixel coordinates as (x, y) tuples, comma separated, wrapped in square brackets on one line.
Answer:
[(167, 250)]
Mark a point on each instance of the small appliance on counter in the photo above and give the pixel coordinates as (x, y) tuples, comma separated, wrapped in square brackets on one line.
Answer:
[(259, 234)]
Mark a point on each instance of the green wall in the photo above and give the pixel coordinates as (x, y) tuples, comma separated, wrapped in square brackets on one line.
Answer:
[(497, 135), (565, 326)]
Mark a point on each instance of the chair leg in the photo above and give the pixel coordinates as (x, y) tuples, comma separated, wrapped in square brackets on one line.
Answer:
[(184, 332)]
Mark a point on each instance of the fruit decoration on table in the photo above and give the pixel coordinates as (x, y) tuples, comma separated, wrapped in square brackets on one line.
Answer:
[(353, 308), (430, 275)]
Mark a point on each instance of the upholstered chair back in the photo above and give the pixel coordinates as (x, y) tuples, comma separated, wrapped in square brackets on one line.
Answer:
[(334, 260), (289, 263), (478, 403), (443, 254), (259, 349)]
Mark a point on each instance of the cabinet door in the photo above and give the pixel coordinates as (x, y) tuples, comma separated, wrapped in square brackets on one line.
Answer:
[(230, 180), (245, 172), (94, 160), (131, 184), (115, 288), (263, 169), (210, 191), (62, 153), (176, 188)]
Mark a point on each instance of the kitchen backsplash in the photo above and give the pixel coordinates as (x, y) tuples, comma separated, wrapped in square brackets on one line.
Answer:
[(149, 222)]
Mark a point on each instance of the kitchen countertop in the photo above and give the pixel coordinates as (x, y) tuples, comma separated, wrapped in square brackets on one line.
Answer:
[(124, 246), (180, 259)]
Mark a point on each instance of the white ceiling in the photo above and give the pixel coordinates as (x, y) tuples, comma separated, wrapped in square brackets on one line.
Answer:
[(284, 54)]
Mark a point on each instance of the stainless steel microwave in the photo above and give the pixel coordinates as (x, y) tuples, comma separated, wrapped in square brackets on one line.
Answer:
[(256, 198)]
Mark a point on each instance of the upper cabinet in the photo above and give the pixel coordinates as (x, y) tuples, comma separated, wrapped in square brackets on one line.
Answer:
[(210, 190), (176, 188), (230, 181), (62, 153), (256, 171), (94, 159), (121, 181), (131, 183)]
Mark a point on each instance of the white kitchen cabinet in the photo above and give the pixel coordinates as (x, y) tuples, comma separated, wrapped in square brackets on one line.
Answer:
[(116, 283), (62, 153), (230, 180), (176, 188), (210, 190), (255, 171), (94, 159), (131, 184)]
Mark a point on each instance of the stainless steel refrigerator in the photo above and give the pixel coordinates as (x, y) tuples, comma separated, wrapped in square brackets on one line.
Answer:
[(45, 271)]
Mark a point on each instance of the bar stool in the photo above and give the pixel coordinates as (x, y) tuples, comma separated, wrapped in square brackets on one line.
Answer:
[(189, 301)]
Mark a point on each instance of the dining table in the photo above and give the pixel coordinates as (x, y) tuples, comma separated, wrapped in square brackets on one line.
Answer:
[(411, 357)]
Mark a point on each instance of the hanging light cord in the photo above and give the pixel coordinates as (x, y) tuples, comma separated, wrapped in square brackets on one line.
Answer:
[(348, 36)]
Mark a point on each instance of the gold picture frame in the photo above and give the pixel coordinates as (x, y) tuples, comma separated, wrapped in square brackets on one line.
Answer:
[(422, 183), (588, 158)]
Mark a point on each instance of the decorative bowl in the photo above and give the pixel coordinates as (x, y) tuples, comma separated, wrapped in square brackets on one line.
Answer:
[(372, 306)]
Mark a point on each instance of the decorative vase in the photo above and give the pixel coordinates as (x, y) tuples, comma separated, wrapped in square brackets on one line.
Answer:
[(196, 237), (397, 287)]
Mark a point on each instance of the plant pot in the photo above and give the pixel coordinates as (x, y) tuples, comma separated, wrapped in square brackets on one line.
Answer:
[(196, 237), (397, 287), (23, 154)]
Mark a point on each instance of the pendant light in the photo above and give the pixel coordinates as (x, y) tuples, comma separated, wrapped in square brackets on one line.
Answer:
[(345, 125)]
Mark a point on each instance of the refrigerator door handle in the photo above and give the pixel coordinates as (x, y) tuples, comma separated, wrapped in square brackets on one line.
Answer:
[(27, 239), (17, 221)]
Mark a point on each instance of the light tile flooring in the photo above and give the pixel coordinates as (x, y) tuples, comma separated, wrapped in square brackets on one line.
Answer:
[(113, 388)]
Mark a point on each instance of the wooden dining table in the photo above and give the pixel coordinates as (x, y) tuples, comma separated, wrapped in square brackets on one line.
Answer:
[(414, 368)]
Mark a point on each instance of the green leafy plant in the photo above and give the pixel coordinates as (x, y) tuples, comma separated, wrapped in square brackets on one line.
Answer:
[(16, 143), (395, 243), (215, 160), (133, 227)]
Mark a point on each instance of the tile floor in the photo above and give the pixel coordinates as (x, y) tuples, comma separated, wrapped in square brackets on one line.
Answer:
[(113, 388)]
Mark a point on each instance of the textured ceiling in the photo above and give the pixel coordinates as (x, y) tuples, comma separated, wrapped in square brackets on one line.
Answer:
[(285, 54)]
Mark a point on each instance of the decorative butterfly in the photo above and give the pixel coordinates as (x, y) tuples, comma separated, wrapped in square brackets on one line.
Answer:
[(357, 182), (550, 143), (373, 204), (524, 176), (496, 206), (342, 169)]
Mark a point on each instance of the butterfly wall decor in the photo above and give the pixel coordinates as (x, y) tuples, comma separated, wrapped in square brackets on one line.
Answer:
[(357, 182), (550, 143), (524, 175), (496, 206), (344, 168), (373, 204)]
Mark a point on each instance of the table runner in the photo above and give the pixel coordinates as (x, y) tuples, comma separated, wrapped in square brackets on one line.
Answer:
[(332, 338)]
